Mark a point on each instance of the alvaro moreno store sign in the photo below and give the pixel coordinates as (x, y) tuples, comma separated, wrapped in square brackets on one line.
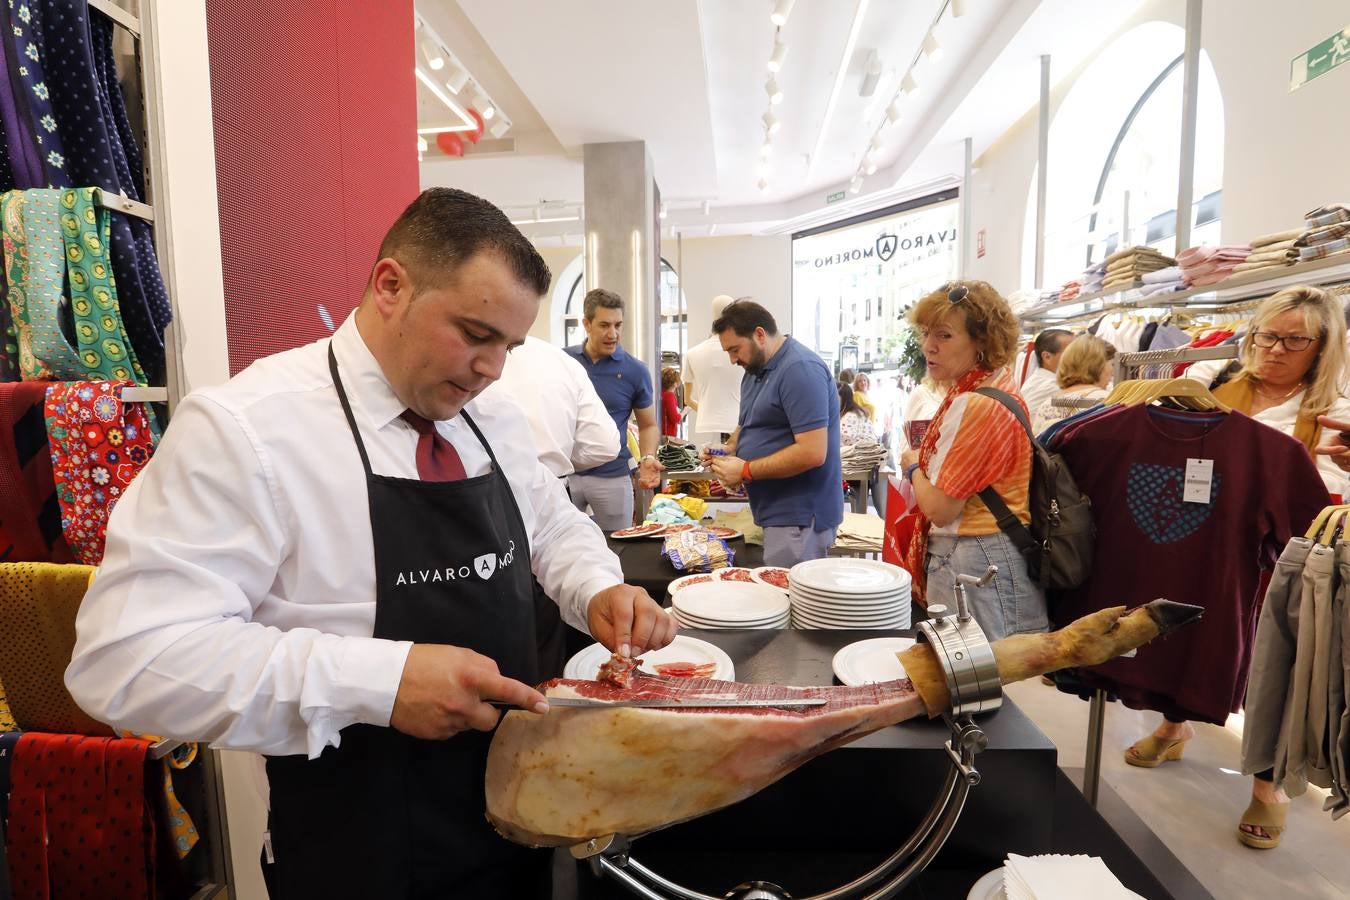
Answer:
[(852, 280)]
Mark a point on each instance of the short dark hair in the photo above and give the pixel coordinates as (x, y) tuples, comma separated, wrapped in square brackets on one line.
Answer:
[(445, 227), (598, 297), (846, 377), (1048, 341), (743, 317)]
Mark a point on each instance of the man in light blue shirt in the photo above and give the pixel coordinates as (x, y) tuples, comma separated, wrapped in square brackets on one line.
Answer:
[(625, 387), (786, 446)]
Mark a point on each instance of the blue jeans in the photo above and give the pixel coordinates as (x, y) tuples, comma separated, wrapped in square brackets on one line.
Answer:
[(1010, 604)]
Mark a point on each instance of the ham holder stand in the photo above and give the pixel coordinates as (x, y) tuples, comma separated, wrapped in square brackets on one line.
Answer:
[(971, 670)]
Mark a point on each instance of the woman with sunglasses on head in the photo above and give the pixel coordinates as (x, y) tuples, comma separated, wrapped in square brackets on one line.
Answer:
[(1290, 366), (969, 337)]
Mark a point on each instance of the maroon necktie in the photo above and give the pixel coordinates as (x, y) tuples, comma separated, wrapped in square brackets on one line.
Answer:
[(437, 458)]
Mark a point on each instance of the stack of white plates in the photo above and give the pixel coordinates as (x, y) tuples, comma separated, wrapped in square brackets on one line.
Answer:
[(730, 604), (849, 593)]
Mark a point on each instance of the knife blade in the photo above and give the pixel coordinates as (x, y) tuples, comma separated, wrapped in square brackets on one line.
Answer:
[(583, 702)]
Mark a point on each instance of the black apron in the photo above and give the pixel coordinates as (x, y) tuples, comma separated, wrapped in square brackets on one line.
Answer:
[(385, 814)]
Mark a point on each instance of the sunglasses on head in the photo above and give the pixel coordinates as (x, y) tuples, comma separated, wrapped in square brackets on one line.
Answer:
[(956, 292)]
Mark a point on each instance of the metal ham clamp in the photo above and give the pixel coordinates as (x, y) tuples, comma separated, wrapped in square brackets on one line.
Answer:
[(971, 669)]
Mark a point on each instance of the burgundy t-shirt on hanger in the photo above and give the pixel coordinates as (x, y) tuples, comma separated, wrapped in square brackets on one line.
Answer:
[(1152, 543)]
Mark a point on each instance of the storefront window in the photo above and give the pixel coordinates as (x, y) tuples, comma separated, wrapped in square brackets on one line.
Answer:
[(1103, 179)]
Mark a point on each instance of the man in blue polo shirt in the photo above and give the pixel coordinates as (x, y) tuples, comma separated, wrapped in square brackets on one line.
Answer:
[(786, 447), (625, 386)]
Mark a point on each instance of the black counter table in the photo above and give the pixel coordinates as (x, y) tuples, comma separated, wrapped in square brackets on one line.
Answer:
[(644, 566)]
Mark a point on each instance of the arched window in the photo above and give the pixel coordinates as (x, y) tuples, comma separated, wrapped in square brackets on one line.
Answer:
[(674, 318), (1104, 178)]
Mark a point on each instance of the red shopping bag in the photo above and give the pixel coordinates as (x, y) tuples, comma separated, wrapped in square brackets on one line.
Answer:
[(902, 518)]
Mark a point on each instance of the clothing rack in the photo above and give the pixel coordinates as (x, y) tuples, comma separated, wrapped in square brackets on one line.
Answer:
[(1073, 402), (1180, 354), (199, 787)]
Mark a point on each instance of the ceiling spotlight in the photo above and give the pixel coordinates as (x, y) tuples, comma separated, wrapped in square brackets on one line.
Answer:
[(771, 123), (421, 144), (766, 149), (433, 54), (871, 74), (499, 128), (763, 184), (707, 207), (870, 169), (774, 91), (931, 48), (875, 144), (779, 54), (484, 105), (893, 111), (908, 84), (781, 10), (855, 185), (664, 209), (457, 77), (958, 8)]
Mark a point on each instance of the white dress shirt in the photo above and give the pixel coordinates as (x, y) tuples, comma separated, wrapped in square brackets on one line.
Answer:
[(1284, 418), (236, 599), (572, 429), (1039, 387), (717, 387)]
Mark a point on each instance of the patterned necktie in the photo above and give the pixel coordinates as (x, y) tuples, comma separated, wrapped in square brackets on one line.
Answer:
[(437, 459)]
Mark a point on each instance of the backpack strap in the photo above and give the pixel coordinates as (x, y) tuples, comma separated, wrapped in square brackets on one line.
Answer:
[(1008, 522)]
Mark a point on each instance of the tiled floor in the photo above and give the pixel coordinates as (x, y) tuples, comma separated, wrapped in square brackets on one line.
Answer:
[(1194, 805)]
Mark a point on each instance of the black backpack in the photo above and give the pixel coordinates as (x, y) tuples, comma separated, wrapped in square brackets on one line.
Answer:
[(1059, 542)]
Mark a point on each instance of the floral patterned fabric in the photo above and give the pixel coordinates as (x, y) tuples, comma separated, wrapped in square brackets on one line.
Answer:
[(26, 39), (35, 263), (98, 446)]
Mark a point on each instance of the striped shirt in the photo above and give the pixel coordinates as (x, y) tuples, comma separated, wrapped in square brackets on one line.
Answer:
[(981, 444)]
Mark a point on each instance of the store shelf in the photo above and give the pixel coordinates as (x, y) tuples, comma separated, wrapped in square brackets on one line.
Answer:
[(1234, 289)]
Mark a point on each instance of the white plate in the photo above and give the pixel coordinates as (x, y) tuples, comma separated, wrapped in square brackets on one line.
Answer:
[(850, 576), (586, 664), (655, 533), (893, 620), (703, 626), (989, 887), (736, 535), (731, 602), (741, 623), (797, 587), (758, 575), (684, 580), (871, 661), (837, 605), (821, 624)]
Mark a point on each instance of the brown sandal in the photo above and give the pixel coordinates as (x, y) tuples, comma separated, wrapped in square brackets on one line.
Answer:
[(1152, 751), (1268, 816)]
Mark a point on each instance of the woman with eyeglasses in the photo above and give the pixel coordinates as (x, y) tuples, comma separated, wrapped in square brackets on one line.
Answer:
[(1291, 363), (969, 337)]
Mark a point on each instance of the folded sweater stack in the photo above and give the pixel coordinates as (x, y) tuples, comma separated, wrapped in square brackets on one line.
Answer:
[(1271, 251), (1202, 266), (1125, 268), (1328, 233)]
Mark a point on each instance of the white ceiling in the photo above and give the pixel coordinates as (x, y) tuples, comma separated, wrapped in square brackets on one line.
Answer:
[(687, 76)]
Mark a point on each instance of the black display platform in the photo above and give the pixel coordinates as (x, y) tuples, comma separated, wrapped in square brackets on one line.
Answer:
[(644, 566)]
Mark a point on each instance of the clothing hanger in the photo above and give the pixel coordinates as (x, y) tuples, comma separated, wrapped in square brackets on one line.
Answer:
[(1335, 522), (1316, 527)]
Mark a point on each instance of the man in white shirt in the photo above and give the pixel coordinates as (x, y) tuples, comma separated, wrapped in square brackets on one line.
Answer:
[(572, 429), (327, 563), (1041, 385), (712, 383)]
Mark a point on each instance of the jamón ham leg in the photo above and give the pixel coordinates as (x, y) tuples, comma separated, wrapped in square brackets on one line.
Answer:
[(579, 773)]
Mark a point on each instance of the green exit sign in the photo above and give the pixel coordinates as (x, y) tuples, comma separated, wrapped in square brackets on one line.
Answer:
[(835, 197), (1320, 60)]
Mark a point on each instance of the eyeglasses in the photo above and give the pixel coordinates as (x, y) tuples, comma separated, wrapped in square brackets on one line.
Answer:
[(1294, 343)]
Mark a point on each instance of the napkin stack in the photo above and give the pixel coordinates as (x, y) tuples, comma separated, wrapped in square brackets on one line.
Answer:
[(1055, 876)]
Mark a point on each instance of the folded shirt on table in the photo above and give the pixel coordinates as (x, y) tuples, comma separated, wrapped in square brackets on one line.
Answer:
[(1320, 251), (1328, 215), (1277, 237), (1323, 234)]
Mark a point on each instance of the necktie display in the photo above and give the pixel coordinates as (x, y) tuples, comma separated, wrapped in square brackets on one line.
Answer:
[(437, 459)]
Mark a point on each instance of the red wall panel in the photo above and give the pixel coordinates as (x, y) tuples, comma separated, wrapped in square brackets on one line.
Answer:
[(315, 112)]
